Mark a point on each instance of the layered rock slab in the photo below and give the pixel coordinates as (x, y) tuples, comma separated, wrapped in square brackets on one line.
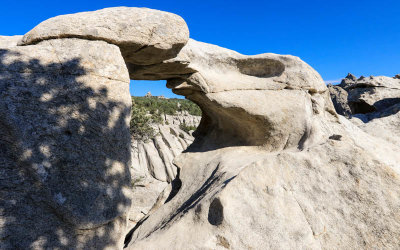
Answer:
[(65, 158), (145, 36)]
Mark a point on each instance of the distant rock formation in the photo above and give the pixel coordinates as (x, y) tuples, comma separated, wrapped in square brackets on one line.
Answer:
[(272, 165), (372, 103)]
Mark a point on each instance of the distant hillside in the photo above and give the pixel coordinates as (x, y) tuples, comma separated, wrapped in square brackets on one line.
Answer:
[(165, 106), (148, 111)]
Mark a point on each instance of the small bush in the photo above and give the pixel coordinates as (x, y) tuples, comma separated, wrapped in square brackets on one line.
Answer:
[(166, 106), (187, 128), (140, 125), (150, 110)]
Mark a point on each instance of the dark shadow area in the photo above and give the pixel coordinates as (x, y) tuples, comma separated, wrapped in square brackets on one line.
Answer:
[(382, 108), (216, 213), (260, 67), (58, 153), (176, 186), (386, 103), (361, 107), (129, 235)]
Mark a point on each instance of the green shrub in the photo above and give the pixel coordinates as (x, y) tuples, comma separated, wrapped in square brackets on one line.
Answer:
[(140, 125), (150, 110), (187, 128), (166, 106)]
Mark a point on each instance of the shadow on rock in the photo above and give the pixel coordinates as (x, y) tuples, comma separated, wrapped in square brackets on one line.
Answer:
[(64, 155)]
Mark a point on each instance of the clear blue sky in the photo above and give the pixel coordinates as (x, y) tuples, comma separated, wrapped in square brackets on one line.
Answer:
[(334, 37)]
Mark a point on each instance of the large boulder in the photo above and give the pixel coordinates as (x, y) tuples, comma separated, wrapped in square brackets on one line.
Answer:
[(145, 36), (64, 146), (272, 166), (273, 83)]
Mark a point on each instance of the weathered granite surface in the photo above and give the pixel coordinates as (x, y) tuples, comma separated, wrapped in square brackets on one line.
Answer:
[(145, 36), (272, 165), (65, 158)]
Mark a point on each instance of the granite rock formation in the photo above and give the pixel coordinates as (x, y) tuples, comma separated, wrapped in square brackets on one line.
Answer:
[(63, 103), (272, 165), (372, 103), (144, 36), (65, 111)]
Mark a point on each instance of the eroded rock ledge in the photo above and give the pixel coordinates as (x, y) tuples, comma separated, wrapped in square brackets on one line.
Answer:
[(272, 166)]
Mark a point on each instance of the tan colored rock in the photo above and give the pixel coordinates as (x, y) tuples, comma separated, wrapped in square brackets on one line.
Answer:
[(366, 94), (150, 193), (340, 101), (272, 165), (273, 82), (156, 166), (373, 105), (265, 71), (145, 36), (9, 41), (64, 145)]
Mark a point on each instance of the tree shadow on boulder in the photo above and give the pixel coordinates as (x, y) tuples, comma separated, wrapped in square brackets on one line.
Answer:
[(64, 157)]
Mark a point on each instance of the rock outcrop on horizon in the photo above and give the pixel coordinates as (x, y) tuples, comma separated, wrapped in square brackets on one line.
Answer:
[(372, 103), (272, 164)]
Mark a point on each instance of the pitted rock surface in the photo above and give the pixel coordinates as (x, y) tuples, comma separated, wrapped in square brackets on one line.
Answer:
[(65, 109)]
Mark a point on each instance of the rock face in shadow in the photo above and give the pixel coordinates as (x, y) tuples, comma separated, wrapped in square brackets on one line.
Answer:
[(64, 118), (272, 165), (372, 103), (365, 95)]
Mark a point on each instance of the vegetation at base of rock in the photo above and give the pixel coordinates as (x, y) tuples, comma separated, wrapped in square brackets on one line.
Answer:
[(156, 105), (186, 128), (149, 110), (140, 125)]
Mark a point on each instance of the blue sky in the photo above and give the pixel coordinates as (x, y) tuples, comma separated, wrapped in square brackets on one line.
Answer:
[(334, 37)]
